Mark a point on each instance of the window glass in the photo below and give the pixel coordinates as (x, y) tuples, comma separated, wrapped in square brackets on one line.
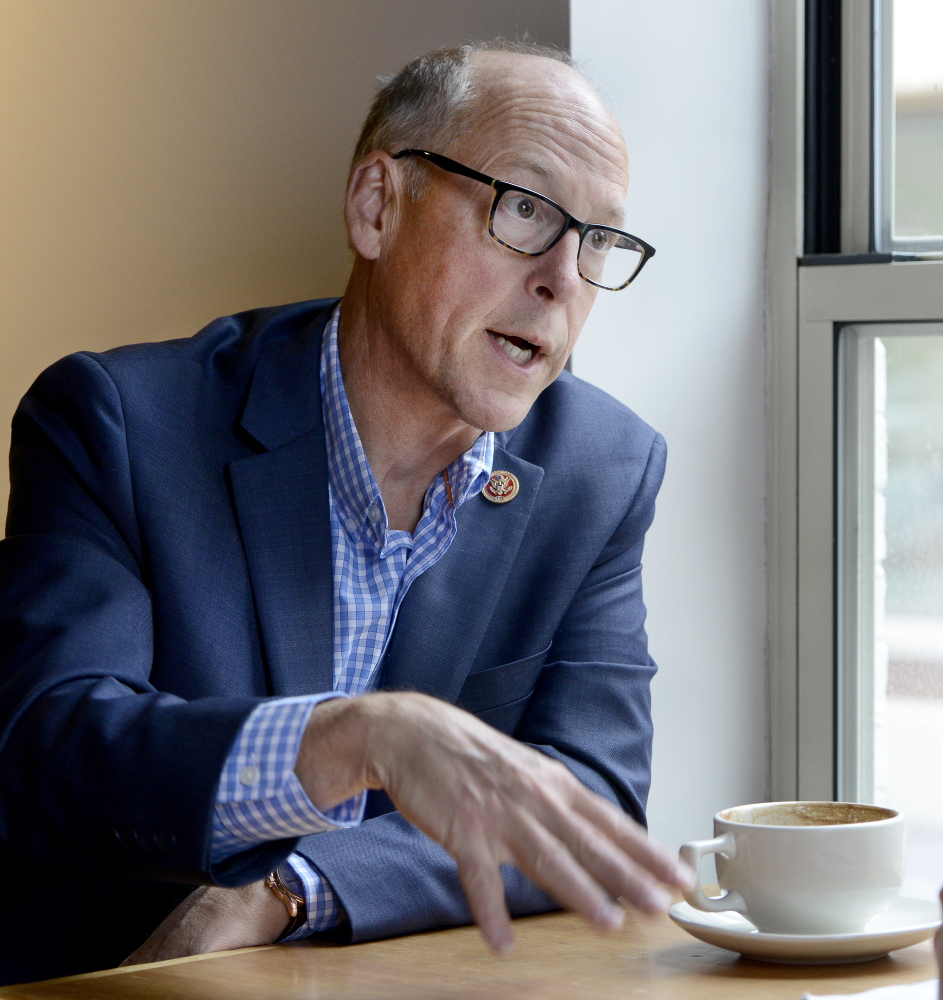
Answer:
[(896, 534), (918, 118), (913, 623)]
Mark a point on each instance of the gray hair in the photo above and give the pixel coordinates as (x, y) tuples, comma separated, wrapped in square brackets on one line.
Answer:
[(427, 104)]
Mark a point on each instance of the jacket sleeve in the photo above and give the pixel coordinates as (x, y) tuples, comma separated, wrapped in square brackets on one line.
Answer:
[(98, 769), (590, 709)]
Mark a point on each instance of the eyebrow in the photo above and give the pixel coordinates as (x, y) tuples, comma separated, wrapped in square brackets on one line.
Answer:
[(614, 213), (535, 166)]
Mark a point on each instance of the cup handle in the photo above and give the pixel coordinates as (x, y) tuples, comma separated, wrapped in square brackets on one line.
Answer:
[(692, 854)]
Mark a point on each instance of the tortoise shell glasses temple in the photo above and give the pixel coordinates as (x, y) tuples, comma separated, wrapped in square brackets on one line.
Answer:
[(446, 163), (500, 187)]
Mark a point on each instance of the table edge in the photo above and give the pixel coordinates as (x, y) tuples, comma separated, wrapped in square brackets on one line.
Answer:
[(122, 969)]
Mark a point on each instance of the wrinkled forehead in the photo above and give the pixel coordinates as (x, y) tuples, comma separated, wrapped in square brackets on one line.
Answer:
[(542, 117)]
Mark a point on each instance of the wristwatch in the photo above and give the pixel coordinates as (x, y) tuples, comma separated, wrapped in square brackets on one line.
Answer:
[(295, 905)]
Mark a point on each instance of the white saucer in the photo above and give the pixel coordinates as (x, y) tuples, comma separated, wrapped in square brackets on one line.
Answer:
[(907, 922)]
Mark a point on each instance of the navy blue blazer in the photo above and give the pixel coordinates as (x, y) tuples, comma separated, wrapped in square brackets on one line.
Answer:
[(168, 563)]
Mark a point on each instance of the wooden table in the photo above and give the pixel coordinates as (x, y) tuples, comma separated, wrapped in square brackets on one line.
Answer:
[(557, 956)]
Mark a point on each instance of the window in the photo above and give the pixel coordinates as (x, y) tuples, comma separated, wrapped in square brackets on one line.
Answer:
[(856, 438), (909, 94), (890, 484)]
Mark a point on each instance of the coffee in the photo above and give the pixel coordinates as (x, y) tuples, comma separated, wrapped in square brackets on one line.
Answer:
[(803, 867), (807, 813)]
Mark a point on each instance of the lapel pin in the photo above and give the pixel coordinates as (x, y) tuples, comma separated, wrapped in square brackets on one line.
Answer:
[(501, 487)]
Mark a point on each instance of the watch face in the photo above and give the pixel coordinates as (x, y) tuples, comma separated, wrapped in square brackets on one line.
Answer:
[(289, 881)]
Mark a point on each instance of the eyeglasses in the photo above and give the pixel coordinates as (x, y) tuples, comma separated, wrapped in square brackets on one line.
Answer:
[(529, 223)]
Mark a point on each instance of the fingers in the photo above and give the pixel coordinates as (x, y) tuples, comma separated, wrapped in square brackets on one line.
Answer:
[(549, 863), (630, 838), (488, 799), (480, 875), (610, 850), (609, 865)]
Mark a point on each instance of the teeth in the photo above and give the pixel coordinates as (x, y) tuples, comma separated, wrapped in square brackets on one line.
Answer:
[(512, 350)]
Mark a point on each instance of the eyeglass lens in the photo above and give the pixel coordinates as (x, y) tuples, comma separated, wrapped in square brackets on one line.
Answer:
[(531, 224)]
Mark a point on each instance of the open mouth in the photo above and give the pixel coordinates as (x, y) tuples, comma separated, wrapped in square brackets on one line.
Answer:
[(520, 351)]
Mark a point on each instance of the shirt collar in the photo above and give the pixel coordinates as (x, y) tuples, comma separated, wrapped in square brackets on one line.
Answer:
[(470, 471), (355, 491)]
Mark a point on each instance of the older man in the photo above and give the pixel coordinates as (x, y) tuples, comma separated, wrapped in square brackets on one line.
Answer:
[(212, 542)]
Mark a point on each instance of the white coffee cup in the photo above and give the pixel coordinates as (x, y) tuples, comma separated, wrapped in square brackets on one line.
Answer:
[(803, 867)]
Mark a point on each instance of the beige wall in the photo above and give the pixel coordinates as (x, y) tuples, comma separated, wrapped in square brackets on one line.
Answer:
[(163, 162)]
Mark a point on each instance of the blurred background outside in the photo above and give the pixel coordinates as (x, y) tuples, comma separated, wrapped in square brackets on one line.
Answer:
[(918, 100), (910, 775), (909, 741)]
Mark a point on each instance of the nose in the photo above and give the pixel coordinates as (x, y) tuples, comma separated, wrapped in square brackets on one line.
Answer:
[(555, 275)]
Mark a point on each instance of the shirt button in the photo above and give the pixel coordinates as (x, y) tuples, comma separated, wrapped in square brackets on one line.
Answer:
[(373, 512), (249, 775), (351, 524)]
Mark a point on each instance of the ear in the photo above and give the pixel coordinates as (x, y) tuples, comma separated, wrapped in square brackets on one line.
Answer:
[(374, 189)]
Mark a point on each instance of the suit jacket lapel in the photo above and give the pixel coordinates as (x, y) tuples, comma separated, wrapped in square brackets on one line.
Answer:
[(281, 500), (445, 613)]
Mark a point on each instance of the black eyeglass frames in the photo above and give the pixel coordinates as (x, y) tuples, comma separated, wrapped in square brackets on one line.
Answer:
[(529, 223)]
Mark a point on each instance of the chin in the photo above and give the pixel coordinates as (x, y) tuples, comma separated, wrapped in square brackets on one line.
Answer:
[(490, 416)]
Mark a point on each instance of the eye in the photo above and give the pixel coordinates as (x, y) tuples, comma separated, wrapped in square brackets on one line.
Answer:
[(525, 208), (599, 240)]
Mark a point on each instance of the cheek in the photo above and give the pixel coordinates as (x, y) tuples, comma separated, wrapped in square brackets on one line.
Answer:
[(473, 288), (468, 270), (578, 311)]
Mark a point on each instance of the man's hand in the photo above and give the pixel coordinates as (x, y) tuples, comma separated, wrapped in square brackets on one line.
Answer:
[(488, 800), (215, 919)]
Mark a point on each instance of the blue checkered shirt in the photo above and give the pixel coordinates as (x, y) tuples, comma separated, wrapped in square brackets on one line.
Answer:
[(260, 798)]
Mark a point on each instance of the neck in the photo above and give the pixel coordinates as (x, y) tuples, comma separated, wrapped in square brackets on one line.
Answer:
[(409, 435)]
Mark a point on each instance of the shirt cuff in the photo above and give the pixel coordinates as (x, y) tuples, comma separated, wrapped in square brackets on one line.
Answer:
[(260, 797), (324, 908)]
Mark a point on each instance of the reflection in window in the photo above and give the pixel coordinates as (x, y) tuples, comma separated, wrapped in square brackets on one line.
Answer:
[(918, 131)]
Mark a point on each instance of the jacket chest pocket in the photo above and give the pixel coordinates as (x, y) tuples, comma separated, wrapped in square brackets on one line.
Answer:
[(500, 694)]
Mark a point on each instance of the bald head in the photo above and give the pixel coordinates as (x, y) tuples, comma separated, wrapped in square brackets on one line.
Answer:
[(522, 98), (443, 99)]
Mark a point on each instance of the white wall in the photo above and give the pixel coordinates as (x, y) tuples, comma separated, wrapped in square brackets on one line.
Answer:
[(684, 347)]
